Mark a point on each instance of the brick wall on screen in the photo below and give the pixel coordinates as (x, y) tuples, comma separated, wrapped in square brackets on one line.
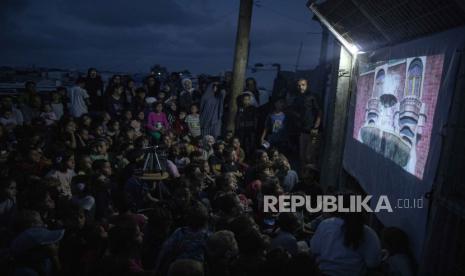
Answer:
[(431, 84), (364, 93)]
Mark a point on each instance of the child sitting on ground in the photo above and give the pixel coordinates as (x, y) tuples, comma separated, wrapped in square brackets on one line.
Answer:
[(99, 150), (8, 120), (7, 200), (398, 259), (230, 164), (240, 154), (136, 125), (113, 129), (216, 160), (287, 177), (102, 187), (64, 172)]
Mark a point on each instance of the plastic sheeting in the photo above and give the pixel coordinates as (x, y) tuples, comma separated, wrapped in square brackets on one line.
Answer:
[(394, 130)]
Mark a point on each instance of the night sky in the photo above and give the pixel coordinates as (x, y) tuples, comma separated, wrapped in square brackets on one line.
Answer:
[(130, 36)]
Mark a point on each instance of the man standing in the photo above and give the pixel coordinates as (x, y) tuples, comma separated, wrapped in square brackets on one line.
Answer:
[(94, 88), (246, 124), (308, 111), (227, 86)]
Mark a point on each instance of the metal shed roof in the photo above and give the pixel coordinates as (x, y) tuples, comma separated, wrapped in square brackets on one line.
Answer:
[(371, 24)]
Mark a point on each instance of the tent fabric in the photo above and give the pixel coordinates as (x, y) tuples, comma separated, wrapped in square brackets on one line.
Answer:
[(379, 175)]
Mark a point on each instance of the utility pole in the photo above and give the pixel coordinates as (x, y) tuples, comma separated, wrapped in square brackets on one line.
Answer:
[(240, 58)]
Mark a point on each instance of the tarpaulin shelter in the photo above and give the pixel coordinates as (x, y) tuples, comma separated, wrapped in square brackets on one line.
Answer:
[(397, 123)]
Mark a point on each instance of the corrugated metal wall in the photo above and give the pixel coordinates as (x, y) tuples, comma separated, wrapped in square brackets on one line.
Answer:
[(372, 24), (445, 245)]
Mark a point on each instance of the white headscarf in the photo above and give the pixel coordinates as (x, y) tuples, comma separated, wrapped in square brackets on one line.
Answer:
[(184, 81)]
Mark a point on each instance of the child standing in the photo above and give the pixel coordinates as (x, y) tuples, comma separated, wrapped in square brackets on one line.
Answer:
[(275, 127), (172, 112), (138, 102), (180, 127), (157, 123), (57, 105), (48, 115), (79, 99), (193, 121), (115, 103)]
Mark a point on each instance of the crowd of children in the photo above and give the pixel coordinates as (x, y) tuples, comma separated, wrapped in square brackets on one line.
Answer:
[(73, 202)]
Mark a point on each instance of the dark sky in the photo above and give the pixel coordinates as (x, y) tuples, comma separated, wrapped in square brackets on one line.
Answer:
[(130, 36)]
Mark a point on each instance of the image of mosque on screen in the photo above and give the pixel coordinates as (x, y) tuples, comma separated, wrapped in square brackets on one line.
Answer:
[(395, 106)]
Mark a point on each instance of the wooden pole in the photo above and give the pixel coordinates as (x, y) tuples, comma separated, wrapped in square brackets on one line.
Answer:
[(240, 58)]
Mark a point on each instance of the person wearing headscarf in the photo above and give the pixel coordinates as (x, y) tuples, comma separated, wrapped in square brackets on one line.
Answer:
[(251, 86), (211, 110), (94, 87), (251, 90), (188, 95), (152, 86), (207, 146)]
